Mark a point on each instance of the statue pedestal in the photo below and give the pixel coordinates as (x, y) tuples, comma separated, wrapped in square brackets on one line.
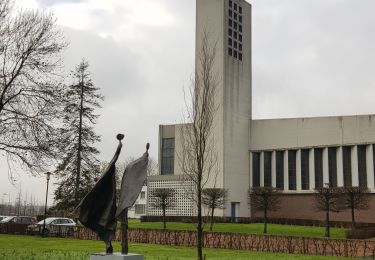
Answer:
[(116, 256)]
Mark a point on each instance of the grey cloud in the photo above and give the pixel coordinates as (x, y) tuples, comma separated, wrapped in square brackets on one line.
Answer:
[(48, 3), (310, 58), (313, 58), (114, 67), (142, 82)]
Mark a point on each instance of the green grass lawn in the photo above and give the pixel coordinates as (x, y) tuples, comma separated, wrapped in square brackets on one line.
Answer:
[(255, 228), (13, 247)]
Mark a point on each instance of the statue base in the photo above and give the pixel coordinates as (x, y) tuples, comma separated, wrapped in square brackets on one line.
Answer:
[(116, 256)]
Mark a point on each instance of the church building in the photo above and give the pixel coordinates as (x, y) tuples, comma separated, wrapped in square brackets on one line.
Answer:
[(295, 155)]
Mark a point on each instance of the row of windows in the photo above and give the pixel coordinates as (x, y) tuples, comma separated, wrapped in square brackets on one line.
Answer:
[(234, 35), (235, 25), (305, 167), (235, 16), (235, 44), (235, 7), (234, 53)]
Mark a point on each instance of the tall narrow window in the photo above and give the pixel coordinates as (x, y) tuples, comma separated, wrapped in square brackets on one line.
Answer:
[(292, 169), (362, 170), (305, 177), (280, 170), (167, 156), (256, 169), (332, 166), (267, 169), (347, 165), (318, 165)]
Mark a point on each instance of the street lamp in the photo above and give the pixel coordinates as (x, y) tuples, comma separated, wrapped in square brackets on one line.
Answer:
[(48, 174), (2, 203)]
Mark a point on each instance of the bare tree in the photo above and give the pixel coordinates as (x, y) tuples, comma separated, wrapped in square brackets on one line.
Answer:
[(214, 198), (327, 199), (355, 198), (152, 167), (30, 93), (198, 158), (264, 199), (162, 198)]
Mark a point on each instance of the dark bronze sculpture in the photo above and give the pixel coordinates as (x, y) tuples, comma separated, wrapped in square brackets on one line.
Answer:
[(131, 185), (98, 210)]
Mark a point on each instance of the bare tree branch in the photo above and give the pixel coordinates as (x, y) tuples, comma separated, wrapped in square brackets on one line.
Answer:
[(355, 198), (264, 199), (162, 198), (30, 93), (214, 198), (327, 199)]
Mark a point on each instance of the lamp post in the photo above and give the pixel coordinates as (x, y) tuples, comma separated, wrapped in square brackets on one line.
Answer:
[(48, 174), (2, 203)]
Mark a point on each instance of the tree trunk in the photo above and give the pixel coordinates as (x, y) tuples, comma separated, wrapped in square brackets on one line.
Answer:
[(76, 195), (164, 222), (199, 228), (212, 217), (265, 221), (327, 234), (353, 218)]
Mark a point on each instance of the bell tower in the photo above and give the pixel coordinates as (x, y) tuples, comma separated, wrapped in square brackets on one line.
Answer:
[(228, 24)]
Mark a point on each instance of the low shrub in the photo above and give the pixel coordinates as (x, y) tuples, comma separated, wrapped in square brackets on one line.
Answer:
[(282, 221), (360, 233)]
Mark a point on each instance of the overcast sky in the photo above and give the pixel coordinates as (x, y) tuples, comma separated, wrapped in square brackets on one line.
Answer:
[(310, 58)]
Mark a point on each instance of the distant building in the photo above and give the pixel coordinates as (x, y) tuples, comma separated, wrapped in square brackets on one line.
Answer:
[(295, 155), (140, 205)]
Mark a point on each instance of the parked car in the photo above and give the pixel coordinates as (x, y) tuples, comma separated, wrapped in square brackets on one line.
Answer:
[(54, 227), (16, 224), (2, 217)]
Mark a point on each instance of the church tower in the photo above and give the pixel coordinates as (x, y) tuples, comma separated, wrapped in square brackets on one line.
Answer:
[(228, 24)]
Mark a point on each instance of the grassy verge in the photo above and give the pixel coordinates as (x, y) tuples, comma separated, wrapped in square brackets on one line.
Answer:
[(14, 247), (255, 228)]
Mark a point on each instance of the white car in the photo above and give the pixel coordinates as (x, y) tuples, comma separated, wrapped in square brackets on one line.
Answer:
[(54, 226), (58, 222), (3, 217)]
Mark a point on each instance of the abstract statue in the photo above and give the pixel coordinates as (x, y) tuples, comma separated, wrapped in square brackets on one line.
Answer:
[(98, 210)]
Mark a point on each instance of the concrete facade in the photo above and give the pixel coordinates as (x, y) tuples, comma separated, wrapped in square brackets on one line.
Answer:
[(295, 155), (311, 132)]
